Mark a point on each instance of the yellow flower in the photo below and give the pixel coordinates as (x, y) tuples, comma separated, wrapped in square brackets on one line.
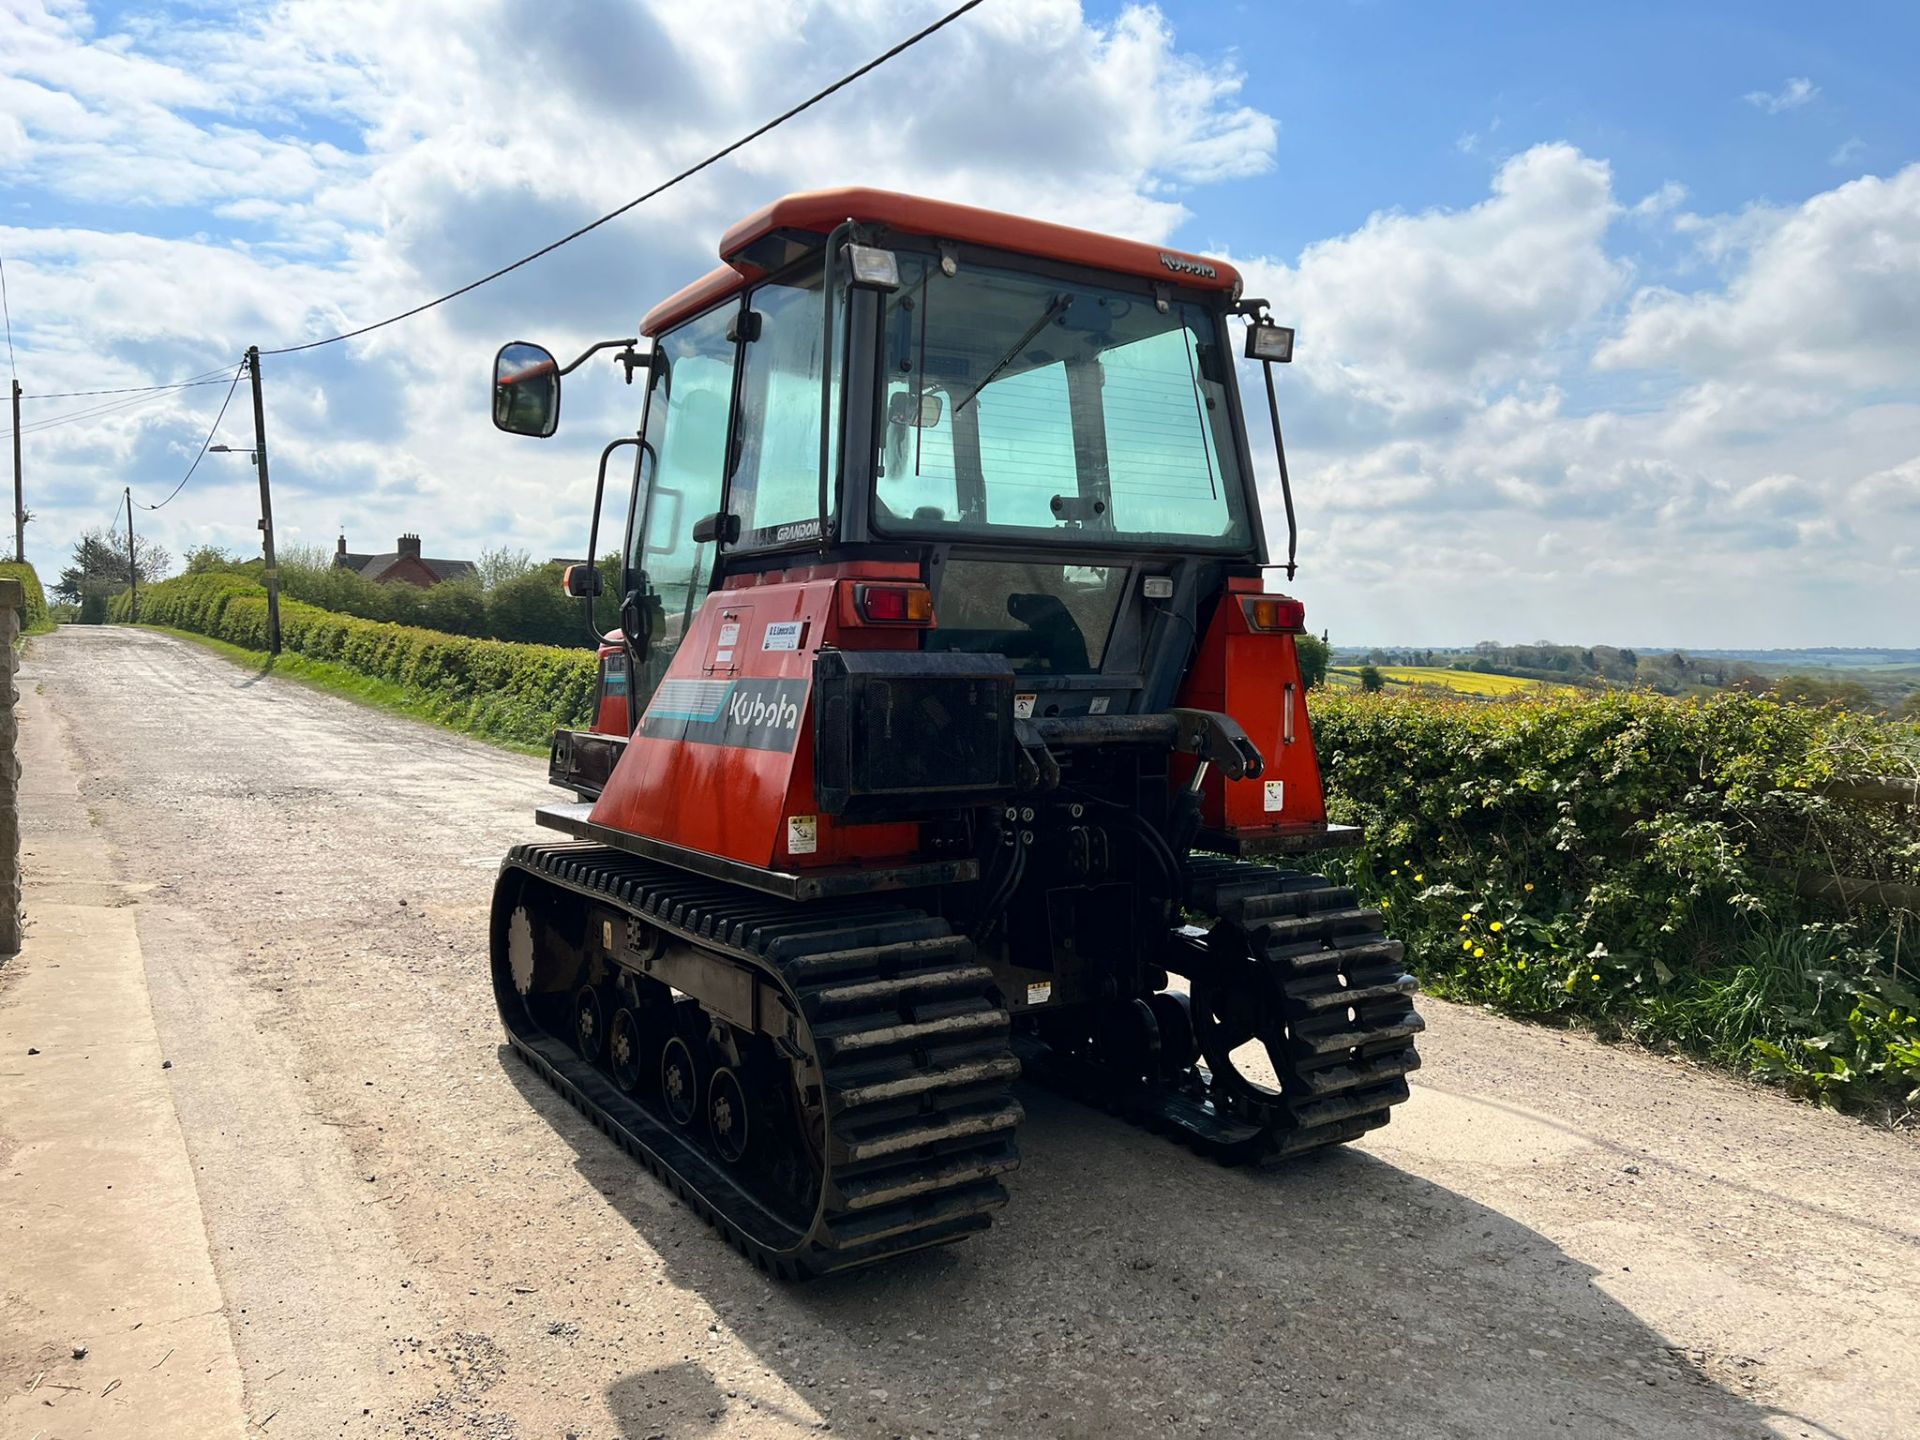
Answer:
[(1419, 879), (1463, 929), (1386, 904), (1496, 927), (1479, 952), (1466, 915), (1523, 965), (1466, 944), (1593, 977), (1528, 887), (1396, 872)]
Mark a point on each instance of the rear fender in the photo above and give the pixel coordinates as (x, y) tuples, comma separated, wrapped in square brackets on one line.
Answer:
[(1254, 677)]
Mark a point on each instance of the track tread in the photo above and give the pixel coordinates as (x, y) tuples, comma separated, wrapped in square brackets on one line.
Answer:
[(911, 1040)]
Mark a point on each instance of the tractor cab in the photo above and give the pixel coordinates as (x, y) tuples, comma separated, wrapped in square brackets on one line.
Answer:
[(1037, 427)]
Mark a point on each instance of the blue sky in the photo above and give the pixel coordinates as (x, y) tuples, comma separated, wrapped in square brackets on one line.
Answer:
[(1608, 315)]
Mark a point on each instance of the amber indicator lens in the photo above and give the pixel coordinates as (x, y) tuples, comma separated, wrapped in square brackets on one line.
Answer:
[(1274, 613)]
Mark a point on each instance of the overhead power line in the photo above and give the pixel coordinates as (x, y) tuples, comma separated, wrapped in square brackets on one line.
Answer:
[(212, 377), (90, 412), (663, 186), (212, 430)]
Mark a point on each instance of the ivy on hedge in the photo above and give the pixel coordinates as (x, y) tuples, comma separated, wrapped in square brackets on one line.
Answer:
[(1631, 861), (35, 616), (490, 687)]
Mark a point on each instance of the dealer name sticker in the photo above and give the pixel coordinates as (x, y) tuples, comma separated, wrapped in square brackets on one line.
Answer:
[(784, 635)]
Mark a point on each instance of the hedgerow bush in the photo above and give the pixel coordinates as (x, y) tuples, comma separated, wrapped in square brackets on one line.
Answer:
[(488, 687), (1635, 863), (34, 617)]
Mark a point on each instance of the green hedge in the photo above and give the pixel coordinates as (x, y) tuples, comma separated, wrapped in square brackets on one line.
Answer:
[(488, 687), (35, 620), (1633, 862)]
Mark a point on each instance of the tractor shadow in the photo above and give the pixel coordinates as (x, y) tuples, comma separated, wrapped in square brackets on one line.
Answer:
[(1133, 1288)]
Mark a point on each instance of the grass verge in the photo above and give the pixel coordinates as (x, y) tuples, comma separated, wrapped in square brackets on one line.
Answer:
[(349, 684)]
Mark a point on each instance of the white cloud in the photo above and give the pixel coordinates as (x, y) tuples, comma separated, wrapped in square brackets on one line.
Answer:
[(1829, 294), (1641, 472), (1664, 201), (1411, 312), (1790, 96), (1848, 152)]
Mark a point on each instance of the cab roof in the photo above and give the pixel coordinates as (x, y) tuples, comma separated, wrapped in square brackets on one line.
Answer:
[(747, 248)]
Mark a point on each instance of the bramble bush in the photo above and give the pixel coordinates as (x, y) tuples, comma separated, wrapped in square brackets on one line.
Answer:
[(488, 687), (1634, 863)]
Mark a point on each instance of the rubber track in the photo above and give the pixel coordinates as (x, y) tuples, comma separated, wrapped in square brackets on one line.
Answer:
[(911, 1038), (1328, 957)]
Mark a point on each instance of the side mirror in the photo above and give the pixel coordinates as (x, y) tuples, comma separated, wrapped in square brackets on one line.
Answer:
[(526, 390), (582, 582)]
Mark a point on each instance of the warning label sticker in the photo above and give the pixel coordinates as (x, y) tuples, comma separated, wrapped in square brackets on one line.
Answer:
[(1276, 795), (803, 834)]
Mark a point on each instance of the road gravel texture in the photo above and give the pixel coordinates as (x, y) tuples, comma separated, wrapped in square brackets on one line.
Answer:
[(413, 1236)]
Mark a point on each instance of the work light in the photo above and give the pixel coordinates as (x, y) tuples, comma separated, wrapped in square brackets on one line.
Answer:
[(1270, 342)]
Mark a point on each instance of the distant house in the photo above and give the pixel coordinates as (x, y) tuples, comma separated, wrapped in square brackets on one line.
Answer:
[(404, 564)]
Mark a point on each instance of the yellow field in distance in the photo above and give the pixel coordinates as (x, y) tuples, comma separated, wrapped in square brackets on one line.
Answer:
[(1464, 682)]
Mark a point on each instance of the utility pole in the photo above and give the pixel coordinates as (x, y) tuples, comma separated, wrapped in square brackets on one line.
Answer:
[(19, 498), (266, 503), (133, 560)]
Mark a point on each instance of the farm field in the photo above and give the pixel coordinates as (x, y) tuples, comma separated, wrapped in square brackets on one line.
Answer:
[(1466, 682)]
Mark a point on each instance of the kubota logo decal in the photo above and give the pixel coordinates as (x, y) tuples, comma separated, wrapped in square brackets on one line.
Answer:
[(1184, 266), (754, 710), (749, 714)]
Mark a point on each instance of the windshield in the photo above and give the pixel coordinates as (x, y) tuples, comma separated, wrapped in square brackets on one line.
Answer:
[(1021, 406)]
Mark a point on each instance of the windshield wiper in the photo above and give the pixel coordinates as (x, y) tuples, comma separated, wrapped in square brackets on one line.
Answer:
[(1054, 306)]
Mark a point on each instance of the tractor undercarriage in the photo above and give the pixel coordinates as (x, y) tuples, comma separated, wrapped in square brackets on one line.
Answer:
[(829, 1083)]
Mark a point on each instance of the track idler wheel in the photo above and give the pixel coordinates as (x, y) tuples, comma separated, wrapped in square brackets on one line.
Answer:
[(679, 1081), (589, 1023), (728, 1115), (626, 1050), (1234, 1010)]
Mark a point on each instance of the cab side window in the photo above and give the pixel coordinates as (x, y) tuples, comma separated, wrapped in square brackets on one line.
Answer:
[(776, 472), (687, 428)]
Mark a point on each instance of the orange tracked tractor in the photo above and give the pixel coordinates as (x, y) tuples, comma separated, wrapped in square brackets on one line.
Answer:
[(947, 701)]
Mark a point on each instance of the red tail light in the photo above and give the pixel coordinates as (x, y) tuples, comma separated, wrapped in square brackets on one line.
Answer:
[(1274, 613), (894, 604)]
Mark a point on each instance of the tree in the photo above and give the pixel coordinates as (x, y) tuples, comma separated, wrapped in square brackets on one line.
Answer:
[(1313, 653), (100, 571), (499, 564), (532, 608), (1910, 707), (1371, 680), (210, 559)]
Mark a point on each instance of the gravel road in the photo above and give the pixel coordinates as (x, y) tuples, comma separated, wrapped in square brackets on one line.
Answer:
[(415, 1237)]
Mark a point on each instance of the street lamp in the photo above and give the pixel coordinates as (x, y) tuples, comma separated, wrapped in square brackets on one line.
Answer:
[(229, 450)]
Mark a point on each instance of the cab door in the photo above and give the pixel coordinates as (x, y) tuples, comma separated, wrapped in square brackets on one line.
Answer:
[(668, 570)]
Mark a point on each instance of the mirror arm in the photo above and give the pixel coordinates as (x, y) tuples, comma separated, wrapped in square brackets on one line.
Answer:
[(593, 350), (1280, 450), (599, 490)]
